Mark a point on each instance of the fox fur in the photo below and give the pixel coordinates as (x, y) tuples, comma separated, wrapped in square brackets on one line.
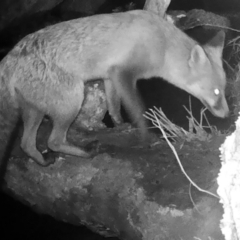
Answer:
[(44, 74)]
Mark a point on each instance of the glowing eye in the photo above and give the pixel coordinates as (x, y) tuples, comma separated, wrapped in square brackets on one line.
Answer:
[(216, 91)]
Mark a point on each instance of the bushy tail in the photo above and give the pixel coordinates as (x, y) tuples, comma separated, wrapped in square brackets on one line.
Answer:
[(8, 120)]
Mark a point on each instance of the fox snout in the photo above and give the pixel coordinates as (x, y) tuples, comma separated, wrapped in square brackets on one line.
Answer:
[(219, 108)]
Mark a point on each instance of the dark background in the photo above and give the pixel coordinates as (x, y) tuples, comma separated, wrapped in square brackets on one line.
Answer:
[(18, 221)]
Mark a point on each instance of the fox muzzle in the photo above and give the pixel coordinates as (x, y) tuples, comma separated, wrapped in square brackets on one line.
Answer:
[(219, 109)]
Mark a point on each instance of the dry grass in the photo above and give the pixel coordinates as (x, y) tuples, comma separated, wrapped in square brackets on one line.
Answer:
[(196, 129), (235, 45), (170, 130)]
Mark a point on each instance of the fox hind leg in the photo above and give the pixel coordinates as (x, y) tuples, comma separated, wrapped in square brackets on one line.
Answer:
[(31, 120), (62, 118), (57, 141)]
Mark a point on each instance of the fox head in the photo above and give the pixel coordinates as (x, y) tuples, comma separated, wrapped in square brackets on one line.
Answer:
[(208, 79)]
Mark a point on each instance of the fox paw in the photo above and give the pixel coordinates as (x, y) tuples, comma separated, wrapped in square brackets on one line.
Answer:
[(49, 158)]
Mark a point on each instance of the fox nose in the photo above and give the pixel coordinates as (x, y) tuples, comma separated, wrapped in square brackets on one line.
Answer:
[(221, 107), (222, 113), (226, 114)]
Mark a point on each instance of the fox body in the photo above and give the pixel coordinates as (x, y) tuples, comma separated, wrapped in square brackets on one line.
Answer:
[(45, 72)]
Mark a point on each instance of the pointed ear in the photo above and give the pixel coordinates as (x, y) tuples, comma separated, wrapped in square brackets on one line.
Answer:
[(217, 40), (197, 56), (216, 44)]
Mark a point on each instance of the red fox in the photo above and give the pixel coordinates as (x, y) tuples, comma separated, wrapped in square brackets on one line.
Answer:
[(44, 74)]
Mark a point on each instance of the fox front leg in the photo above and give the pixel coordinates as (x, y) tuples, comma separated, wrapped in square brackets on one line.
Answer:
[(113, 102)]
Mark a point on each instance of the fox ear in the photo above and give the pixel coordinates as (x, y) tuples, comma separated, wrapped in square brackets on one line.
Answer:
[(198, 56), (216, 44), (217, 40)]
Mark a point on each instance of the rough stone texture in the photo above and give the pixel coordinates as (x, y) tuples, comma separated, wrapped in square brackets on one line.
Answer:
[(94, 107), (199, 17)]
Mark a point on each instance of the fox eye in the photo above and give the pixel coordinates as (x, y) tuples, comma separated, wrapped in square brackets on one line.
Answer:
[(216, 91)]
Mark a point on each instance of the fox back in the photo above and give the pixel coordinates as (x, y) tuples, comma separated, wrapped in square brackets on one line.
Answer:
[(45, 72)]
